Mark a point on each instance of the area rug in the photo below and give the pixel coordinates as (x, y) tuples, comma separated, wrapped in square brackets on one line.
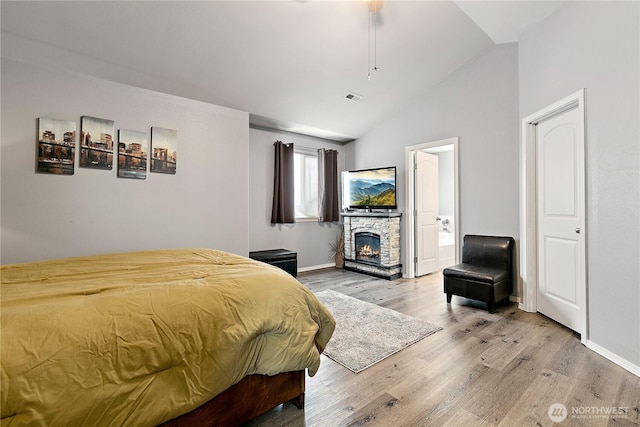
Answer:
[(366, 333)]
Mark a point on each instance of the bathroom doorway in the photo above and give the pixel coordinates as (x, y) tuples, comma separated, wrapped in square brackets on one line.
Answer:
[(447, 239)]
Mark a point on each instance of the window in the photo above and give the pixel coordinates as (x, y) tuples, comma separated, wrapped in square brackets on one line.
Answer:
[(306, 183)]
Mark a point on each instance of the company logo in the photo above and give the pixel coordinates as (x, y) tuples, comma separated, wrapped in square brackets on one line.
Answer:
[(592, 412), (557, 412)]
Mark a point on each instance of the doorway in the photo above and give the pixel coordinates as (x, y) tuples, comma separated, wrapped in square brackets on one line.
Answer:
[(552, 213), (447, 227)]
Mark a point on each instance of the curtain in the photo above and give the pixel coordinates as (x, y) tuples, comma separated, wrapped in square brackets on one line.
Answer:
[(283, 210), (328, 203)]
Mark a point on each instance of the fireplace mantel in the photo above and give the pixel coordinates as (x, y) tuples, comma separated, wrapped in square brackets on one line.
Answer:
[(386, 225), (373, 214)]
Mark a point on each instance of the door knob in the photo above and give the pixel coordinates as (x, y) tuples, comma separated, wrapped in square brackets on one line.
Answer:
[(578, 230)]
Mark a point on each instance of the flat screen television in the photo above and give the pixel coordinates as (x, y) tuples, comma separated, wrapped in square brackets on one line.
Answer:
[(370, 188)]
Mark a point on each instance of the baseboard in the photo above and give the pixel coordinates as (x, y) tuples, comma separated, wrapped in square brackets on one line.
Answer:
[(514, 298), (623, 363), (315, 267)]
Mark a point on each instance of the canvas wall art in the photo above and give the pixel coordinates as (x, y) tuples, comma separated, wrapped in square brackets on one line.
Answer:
[(164, 150), (96, 145), (132, 154), (56, 146)]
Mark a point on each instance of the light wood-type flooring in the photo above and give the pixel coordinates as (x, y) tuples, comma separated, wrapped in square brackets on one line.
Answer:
[(482, 369)]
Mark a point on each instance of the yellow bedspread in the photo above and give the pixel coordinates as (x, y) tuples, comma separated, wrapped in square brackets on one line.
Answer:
[(140, 338)]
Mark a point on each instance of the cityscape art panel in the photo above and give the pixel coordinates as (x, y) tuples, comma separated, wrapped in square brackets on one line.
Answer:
[(56, 146), (132, 154), (96, 145)]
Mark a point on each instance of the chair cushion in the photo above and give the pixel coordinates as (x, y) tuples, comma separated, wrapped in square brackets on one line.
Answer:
[(477, 273)]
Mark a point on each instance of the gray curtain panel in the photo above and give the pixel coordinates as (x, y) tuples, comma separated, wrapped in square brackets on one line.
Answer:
[(328, 200), (283, 210)]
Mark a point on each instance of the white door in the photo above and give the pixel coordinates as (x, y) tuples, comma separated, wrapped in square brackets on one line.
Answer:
[(426, 194), (561, 234)]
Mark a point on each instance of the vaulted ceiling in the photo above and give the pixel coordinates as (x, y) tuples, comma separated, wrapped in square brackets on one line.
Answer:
[(290, 64)]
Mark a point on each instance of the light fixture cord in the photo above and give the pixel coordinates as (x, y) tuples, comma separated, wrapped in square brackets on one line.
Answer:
[(375, 40), (373, 14), (369, 46)]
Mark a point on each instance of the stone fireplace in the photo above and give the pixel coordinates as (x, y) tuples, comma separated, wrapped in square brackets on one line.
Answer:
[(372, 243)]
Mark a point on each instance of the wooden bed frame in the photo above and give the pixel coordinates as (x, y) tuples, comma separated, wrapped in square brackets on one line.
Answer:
[(254, 395)]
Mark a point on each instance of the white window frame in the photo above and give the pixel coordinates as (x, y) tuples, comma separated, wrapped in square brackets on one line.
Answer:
[(305, 187)]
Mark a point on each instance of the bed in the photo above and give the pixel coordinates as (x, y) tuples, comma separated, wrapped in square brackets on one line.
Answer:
[(186, 337)]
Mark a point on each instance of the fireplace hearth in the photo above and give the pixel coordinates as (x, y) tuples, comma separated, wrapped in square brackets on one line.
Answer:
[(372, 243)]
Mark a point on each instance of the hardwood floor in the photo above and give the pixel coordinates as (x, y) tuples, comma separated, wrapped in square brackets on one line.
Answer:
[(482, 369)]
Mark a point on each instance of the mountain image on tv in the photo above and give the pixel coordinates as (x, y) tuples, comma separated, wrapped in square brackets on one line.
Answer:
[(373, 188)]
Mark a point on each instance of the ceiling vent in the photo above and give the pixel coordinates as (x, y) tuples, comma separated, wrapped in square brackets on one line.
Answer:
[(353, 97)]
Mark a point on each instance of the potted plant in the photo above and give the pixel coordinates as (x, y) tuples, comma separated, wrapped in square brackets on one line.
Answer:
[(337, 250)]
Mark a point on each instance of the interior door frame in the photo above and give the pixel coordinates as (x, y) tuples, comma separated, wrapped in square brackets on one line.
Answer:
[(529, 205), (409, 270)]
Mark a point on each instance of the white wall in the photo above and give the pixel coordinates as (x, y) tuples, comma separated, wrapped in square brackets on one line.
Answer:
[(446, 194), (479, 104), (311, 239), (596, 45), (49, 216)]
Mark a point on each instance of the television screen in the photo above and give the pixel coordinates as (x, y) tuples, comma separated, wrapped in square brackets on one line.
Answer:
[(372, 188)]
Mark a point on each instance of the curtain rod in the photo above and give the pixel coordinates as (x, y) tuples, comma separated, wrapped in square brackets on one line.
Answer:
[(303, 148)]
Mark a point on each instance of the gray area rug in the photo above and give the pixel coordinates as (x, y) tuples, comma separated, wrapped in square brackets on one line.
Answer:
[(366, 333)]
